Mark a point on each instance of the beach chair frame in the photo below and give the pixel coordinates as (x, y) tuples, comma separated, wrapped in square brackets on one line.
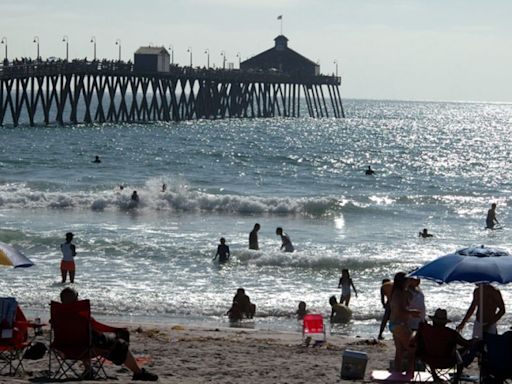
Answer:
[(13, 348), (71, 342)]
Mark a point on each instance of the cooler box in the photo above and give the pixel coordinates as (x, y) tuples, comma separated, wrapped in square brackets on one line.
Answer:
[(353, 365)]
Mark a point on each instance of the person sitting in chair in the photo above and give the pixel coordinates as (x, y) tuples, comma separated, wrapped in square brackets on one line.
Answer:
[(437, 345), (111, 347)]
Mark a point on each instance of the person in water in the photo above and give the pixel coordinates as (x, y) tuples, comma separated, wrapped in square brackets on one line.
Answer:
[(385, 294), (222, 251), (164, 187), (491, 220), (339, 313), (253, 237), (301, 311), (369, 171), (67, 263), (247, 308), (345, 283), (286, 245), (135, 197), (96, 159), (425, 233)]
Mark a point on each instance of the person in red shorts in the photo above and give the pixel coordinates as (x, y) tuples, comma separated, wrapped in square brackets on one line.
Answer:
[(67, 263)]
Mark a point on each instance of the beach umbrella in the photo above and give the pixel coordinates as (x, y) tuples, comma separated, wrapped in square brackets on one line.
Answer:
[(11, 257), (477, 265)]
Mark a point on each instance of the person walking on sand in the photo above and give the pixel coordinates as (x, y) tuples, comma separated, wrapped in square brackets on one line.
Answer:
[(222, 251), (385, 294), (493, 309), (253, 237), (286, 245), (67, 263), (345, 283), (491, 220)]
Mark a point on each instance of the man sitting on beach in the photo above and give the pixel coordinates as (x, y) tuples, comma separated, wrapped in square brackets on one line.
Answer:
[(111, 347), (247, 308)]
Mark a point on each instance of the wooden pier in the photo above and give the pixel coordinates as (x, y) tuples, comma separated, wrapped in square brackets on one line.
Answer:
[(63, 92)]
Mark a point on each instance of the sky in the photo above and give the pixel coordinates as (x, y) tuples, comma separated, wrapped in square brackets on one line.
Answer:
[(456, 50)]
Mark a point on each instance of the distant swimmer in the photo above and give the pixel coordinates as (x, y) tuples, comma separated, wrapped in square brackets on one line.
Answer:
[(253, 237), (424, 233), (164, 187), (369, 171), (67, 263), (96, 160), (222, 251), (121, 187), (135, 197), (491, 220), (286, 245)]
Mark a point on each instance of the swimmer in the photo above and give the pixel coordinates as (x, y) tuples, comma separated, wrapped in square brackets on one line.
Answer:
[(222, 251), (369, 171), (253, 237), (424, 233), (96, 160), (491, 220), (286, 245), (164, 187), (135, 196), (301, 311)]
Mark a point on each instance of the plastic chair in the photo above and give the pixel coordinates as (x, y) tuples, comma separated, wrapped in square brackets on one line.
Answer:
[(313, 324), (437, 348), (496, 364), (13, 336)]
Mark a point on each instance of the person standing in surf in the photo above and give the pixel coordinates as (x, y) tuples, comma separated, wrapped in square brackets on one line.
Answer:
[(345, 284), (67, 263), (253, 237), (491, 220), (286, 245), (222, 251)]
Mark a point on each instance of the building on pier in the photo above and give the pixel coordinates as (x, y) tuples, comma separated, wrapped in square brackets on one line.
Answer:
[(151, 60), (282, 59)]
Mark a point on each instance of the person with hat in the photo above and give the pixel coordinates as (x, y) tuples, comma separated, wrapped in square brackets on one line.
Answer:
[(67, 263), (437, 344)]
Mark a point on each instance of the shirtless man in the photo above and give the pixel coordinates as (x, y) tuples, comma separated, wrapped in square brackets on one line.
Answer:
[(493, 310), (385, 294), (491, 220)]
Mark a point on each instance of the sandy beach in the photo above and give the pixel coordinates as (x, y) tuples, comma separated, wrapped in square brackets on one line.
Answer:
[(184, 354)]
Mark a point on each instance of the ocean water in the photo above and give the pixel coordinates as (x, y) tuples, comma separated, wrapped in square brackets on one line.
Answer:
[(438, 165)]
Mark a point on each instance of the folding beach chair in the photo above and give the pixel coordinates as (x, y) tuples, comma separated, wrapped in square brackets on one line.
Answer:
[(438, 350), (313, 324), (71, 341), (13, 336), (496, 364)]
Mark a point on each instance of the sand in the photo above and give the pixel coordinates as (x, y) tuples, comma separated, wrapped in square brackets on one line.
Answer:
[(185, 354)]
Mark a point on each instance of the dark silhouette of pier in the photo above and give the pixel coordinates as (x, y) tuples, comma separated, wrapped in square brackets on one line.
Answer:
[(37, 92)]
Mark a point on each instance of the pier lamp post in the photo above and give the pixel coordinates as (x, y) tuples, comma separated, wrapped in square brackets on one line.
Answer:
[(93, 40), (118, 42), (171, 48), (336, 63), (36, 41), (65, 39), (223, 54), (239, 59), (207, 51), (189, 50), (4, 41)]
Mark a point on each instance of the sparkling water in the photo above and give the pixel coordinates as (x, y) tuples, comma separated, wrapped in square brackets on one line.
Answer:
[(438, 165)]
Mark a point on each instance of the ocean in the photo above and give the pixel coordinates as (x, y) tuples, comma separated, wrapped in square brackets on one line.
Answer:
[(438, 165)]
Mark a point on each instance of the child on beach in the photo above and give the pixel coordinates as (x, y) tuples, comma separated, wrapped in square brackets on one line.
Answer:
[(222, 251), (345, 283), (301, 311)]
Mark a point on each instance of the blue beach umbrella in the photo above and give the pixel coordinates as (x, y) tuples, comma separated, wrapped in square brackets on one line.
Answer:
[(476, 265), (11, 257)]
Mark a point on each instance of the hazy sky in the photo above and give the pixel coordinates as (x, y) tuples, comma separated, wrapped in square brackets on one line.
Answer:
[(386, 49)]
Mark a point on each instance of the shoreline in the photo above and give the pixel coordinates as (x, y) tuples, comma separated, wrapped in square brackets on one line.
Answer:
[(191, 354)]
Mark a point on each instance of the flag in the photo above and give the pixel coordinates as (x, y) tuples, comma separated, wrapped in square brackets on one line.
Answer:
[(280, 17)]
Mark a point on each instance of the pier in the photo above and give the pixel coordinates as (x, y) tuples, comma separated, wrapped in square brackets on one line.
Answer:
[(79, 91)]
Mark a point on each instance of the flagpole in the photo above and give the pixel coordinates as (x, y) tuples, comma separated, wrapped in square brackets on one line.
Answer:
[(281, 24)]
